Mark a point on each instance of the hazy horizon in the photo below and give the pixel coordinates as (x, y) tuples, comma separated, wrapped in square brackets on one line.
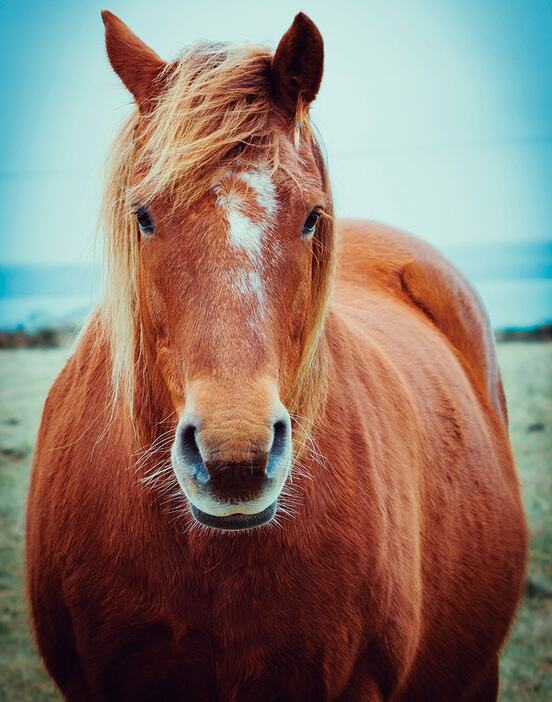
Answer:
[(514, 280)]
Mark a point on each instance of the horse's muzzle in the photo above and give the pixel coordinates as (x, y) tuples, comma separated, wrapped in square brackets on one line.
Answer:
[(232, 483)]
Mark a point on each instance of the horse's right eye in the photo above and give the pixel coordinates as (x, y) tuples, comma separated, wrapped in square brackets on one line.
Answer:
[(145, 222)]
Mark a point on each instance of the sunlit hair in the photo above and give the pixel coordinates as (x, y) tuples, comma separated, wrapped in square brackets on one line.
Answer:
[(214, 107)]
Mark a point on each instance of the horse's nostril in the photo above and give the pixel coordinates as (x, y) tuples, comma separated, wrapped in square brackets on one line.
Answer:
[(281, 435), (188, 444)]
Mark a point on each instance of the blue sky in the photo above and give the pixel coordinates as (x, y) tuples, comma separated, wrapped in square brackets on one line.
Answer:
[(436, 114)]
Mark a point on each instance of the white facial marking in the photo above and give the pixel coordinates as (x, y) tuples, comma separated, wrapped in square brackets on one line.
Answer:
[(249, 283), (245, 234), (261, 183), (229, 201)]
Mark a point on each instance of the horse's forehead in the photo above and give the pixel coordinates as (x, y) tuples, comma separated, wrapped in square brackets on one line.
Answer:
[(247, 186), (248, 198)]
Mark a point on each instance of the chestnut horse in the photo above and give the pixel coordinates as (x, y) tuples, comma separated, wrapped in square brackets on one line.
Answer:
[(276, 466)]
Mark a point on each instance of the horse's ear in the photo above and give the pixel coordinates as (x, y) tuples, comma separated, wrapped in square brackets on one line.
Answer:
[(298, 64), (134, 62)]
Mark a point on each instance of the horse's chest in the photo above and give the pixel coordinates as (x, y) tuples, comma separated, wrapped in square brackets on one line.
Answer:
[(235, 638), (276, 661)]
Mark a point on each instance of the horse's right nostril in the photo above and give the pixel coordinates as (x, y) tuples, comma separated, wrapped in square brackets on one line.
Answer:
[(188, 445)]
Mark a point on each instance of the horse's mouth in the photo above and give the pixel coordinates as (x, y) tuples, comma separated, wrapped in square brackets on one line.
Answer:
[(234, 522)]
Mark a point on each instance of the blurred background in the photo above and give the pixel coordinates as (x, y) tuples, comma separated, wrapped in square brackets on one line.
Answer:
[(436, 116)]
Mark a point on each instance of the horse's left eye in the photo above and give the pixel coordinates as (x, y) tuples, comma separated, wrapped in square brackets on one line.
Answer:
[(309, 226), (145, 222)]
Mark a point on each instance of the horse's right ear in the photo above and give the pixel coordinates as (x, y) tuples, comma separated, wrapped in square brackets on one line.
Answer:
[(134, 62), (298, 64)]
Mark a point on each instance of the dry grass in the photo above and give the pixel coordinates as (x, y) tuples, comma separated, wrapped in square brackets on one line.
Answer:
[(527, 661), (25, 376)]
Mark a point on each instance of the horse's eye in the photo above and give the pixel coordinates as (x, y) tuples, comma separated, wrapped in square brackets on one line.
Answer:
[(145, 222), (309, 226)]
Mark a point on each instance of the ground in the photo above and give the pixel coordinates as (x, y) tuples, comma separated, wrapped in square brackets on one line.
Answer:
[(526, 671)]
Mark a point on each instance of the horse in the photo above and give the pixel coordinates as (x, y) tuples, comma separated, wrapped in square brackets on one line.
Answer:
[(276, 465)]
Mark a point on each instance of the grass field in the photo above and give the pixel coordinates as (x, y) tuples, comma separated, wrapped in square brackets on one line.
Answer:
[(25, 376)]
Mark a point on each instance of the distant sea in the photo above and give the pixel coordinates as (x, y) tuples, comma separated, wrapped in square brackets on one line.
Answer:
[(36, 297), (514, 280)]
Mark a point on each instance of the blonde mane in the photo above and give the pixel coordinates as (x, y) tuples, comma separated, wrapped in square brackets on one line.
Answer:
[(214, 105)]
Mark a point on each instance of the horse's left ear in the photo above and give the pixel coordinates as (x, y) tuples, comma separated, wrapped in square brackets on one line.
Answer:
[(298, 64)]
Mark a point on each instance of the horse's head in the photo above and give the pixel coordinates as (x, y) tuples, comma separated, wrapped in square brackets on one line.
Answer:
[(219, 220)]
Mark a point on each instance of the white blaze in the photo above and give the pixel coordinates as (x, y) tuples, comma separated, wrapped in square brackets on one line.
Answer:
[(261, 183), (250, 284), (245, 234)]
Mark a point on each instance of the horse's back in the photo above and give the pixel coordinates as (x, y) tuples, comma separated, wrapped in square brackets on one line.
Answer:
[(378, 258)]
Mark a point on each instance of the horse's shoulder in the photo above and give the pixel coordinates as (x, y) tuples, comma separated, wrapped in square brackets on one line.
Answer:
[(416, 273)]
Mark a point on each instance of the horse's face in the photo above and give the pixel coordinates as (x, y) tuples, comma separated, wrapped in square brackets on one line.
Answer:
[(227, 288), (225, 293)]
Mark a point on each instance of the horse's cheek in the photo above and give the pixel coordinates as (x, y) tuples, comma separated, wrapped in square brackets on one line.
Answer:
[(167, 368)]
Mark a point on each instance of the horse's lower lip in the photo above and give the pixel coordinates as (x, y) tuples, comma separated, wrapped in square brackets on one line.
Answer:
[(234, 522)]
